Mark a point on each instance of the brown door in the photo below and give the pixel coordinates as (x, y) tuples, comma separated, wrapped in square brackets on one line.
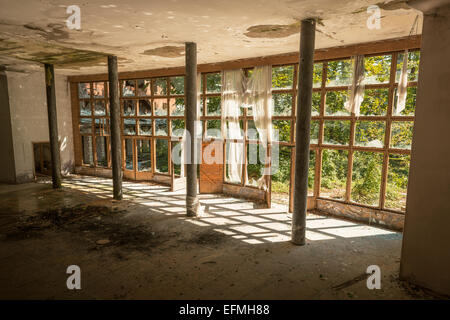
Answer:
[(211, 168)]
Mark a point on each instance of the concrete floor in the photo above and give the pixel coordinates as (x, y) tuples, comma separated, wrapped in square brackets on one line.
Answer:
[(234, 251)]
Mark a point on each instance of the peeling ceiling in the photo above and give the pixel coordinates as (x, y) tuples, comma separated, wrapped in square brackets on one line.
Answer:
[(151, 34)]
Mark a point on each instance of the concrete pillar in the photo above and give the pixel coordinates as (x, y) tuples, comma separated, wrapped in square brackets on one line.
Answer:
[(116, 140), (53, 125), (305, 80), (425, 258), (192, 204)]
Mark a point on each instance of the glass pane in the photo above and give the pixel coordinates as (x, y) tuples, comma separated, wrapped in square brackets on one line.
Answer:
[(334, 174), (370, 133), (335, 103), (102, 149), (128, 88), (176, 157), (377, 69), (282, 104), (176, 107), (339, 73), (410, 104), (314, 135), (98, 89), (317, 75), (281, 130), (85, 125), (375, 102), (160, 87), (213, 82), (256, 157), (144, 155), (281, 172), (85, 108), (213, 129), (99, 108), (129, 127), (177, 85), (336, 132), (129, 154), (413, 66), (160, 106), (283, 77), (84, 90), (401, 134), (232, 150), (177, 127), (315, 108), (129, 108), (213, 106), (252, 132), (101, 126), (145, 127), (161, 127), (145, 107), (162, 156), (397, 181), (366, 177), (144, 87), (88, 157)]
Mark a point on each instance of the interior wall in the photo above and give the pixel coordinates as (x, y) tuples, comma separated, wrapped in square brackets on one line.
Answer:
[(28, 104), (426, 254), (7, 155)]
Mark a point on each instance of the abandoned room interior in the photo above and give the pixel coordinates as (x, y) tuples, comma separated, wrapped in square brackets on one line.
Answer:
[(225, 149)]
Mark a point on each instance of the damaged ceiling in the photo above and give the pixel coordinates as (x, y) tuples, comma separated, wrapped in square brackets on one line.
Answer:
[(151, 34)]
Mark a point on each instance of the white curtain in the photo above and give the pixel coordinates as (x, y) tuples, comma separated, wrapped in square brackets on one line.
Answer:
[(232, 100), (357, 87), (402, 85)]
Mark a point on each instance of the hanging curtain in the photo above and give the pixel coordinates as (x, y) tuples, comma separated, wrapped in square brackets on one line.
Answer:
[(356, 90), (232, 100), (402, 85)]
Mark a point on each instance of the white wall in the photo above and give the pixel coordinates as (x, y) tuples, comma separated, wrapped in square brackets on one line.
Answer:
[(28, 104)]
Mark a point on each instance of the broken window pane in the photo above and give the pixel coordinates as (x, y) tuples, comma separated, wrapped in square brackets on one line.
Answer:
[(177, 127), (129, 108), (213, 129), (213, 82), (128, 88), (281, 171), (366, 177), (129, 127), (256, 158), (410, 104), (177, 85), (145, 107), (162, 156), (339, 73), (160, 106), (85, 125), (375, 102), (282, 104), (377, 69), (145, 127), (88, 157), (144, 87), (85, 108), (401, 134), (370, 133), (161, 127), (129, 165), (397, 181), (334, 174), (281, 130), (336, 132), (213, 106), (84, 90), (315, 108), (160, 87), (314, 136), (176, 106), (317, 75), (335, 103), (144, 156), (413, 66), (101, 147), (99, 108), (98, 89), (283, 77)]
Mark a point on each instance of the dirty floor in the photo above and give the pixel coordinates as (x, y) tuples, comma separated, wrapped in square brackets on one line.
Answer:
[(145, 248)]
